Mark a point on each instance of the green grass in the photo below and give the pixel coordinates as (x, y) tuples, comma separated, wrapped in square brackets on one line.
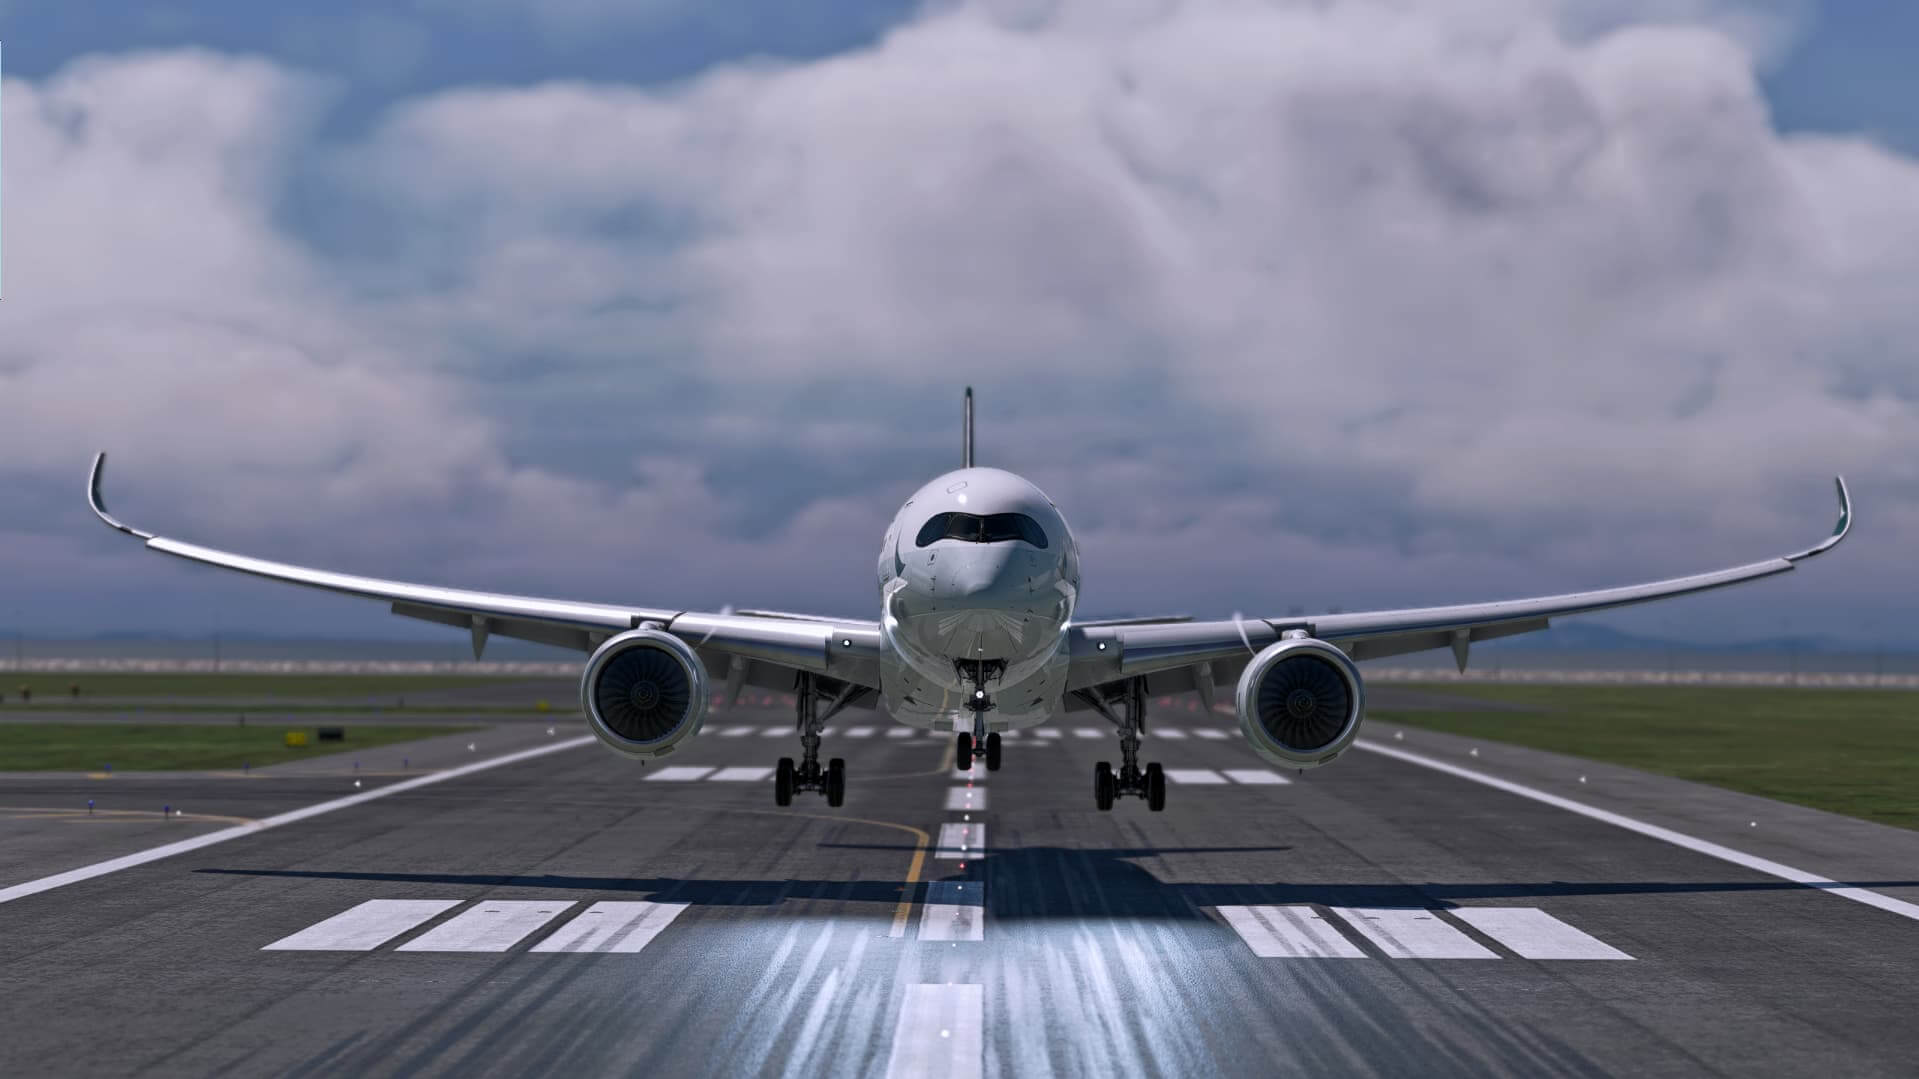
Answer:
[(147, 747), (49, 688), (1846, 751)]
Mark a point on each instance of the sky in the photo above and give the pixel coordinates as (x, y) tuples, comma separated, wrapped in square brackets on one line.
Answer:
[(1289, 305)]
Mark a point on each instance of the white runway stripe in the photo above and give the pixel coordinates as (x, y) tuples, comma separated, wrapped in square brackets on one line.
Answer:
[(737, 732), (961, 840), (365, 927), (1412, 933), (681, 773), (743, 774), (977, 774), (1211, 735), (1665, 835), (954, 910), (778, 732), (1173, 734), (1255, 777), (1194, 775), (1087, 732), (1295, 932), (1533, 934), (154, 854), (939, 1034), (973, 798), (859, 732), (494, 925), (612, 927), (900, 732), (1049, 734)]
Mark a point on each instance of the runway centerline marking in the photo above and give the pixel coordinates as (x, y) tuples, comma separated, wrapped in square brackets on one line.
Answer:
[(1290, 932), (1413, 933), (492, 925), (154, 854), (938, 1035), (960, 841), (679, 773), (1533, 934), (966, 798), (1653, 831), (954, 910), (365, 927), (612, 926)]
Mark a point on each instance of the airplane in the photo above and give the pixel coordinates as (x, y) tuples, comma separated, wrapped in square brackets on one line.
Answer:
[(978, 579)]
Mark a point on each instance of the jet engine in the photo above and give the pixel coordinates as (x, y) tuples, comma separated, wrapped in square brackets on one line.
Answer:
[(1300, 702), (644, 692)]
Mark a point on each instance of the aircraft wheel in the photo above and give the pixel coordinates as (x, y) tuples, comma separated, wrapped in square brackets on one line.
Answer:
[(1155, 787), (835, 782), (783, 782), (992, 752), (1103, 786), (964, 761)]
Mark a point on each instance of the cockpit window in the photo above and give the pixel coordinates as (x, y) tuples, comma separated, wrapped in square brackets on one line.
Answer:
[(975, 528)]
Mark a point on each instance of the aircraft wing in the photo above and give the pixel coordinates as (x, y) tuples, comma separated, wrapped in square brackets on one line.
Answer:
[(1219, 649), (740, 649)]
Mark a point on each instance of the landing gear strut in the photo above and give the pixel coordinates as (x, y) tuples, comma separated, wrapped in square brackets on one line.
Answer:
[(807, 775), (1130, 780), (977, 742)]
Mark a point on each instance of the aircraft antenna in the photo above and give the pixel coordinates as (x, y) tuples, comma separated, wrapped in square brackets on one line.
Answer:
[(966, 447)]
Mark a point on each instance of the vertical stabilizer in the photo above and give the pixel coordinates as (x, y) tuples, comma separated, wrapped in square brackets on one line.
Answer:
[(966, 448)]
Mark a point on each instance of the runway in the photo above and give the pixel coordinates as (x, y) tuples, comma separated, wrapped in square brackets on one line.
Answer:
[(572, 913)]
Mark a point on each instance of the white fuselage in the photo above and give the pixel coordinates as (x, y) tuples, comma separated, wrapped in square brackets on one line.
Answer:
[(978, 579)]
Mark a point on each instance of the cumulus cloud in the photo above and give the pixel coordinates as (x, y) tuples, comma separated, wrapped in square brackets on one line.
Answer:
[(1415, 305)]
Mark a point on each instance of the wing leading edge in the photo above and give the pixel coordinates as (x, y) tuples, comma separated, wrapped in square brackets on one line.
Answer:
[(1103, 654), (760, 649)]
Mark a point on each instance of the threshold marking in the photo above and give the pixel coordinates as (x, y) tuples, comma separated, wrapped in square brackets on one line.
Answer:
[(966, 798), (612, 926), (1533, 934), (1290, 932), (961, 841), (1653, 831), (954, 910), (1412, 933), (492, 926), (938, 1034), (742, 774), (365, 927), (679, 773), (154, 854)]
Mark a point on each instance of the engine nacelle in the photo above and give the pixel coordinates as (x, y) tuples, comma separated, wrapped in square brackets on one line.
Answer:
[(1300, 702), (644, 692)]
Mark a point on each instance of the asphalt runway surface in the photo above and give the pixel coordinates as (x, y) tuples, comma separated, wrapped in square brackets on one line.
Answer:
[(570, 912)]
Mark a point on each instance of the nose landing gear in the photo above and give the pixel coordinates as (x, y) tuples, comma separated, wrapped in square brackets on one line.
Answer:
[(1130, 780), (807, 774), (977, 742)]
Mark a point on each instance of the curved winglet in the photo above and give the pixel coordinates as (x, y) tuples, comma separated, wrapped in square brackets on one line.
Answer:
[(100, 507), (1838, 531)]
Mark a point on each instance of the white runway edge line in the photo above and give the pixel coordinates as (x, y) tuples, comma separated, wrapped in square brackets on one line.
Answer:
[(939, 1034), (1653, 831), (128, 861)]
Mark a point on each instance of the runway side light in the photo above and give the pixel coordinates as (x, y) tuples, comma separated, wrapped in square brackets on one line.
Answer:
[(1752, 824), (1582, 779), (469, 747), (549, 732), (1399, 736), (1474, 752), (356, 784)]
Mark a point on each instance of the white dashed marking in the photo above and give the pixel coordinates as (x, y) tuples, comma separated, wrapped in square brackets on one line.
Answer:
[(494, 925), (1295, 932), (973, 798), (1412, 933), (1255, 777), (365, 927), (741, 775), (684, 773), (938, 1033), (623, 927), (1533, 934), (1194, 775)]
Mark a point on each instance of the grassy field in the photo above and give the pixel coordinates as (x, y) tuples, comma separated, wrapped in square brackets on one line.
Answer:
[(136, 747), (1847, 751), (51, 688)]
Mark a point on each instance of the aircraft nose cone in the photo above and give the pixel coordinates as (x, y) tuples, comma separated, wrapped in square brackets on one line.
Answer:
[(978, 572)]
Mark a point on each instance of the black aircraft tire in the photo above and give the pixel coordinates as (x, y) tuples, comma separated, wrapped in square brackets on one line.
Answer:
[(1155, 787), (835, 782), (1103, 786), (783, 782), (964, 760), (992, 752)]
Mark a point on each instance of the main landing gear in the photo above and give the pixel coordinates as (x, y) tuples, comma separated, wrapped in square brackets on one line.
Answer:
[(807, 775), (976, 742), (1130, 780)]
